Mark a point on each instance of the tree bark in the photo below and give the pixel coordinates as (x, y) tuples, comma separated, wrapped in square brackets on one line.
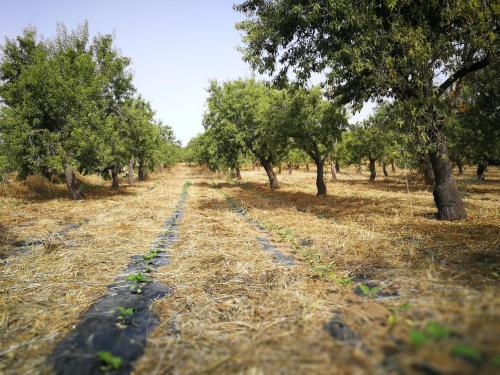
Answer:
[(114, 176), (384, 169), (279, 168), (320, 182), (71, 182), (446, 195), (337, 166), (426, 169), (373, 171), (131, 171), (141, 174), (273, 181), (481, 168), (238, 174), (333, 170), (289, 168)]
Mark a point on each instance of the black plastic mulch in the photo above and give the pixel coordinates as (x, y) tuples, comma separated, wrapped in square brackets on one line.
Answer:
[(101, 329)]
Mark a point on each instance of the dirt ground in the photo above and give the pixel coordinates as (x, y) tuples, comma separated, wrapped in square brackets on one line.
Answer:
[(378, 285)]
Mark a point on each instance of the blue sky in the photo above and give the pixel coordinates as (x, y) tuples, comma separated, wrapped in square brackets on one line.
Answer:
[(176, 47)]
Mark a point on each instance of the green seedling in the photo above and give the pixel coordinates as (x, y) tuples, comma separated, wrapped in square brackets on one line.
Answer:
[(467, 352), (344, 281), (153, 253), (148, 269), (370, 292), (138, 278), (136, 288), (124, 313), (109, 361), (324, 271)]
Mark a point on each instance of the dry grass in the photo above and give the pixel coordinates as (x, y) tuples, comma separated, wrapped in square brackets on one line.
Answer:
[(233, 309), (45, 289)]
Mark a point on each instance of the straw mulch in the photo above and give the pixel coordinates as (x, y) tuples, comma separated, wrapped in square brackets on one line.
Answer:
[(45, 288)]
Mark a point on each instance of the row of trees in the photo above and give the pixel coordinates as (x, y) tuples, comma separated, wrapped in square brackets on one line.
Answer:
[(417, 53), (249, 120), (69, 104)]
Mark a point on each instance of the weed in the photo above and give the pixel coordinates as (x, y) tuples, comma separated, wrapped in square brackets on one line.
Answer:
[(324, 271), (343, 281), (109, 361), (467, 352), (432, 332)]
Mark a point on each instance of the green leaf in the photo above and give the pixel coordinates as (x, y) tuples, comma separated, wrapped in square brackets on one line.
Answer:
[(417, 338), (437, 332), (364, 289), (109, 360)]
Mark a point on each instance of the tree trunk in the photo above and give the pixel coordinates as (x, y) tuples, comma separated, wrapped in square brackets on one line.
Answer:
[(307, 167), (393, 167), (481, 168), (131, 171), (446, 195), (384, 169), (289, 168), (333, 170), (373, 171), (337, 166), (320, 182), (71, 183), (426, 169), (141, 174), (238, 174), (279, 168), (460, 166), (114, 176), (273, 181)]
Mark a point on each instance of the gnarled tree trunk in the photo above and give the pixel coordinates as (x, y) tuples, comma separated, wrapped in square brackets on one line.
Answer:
[(446, 195), (373, 171), (71, 182), (384, 169), (273, 181), (337, 166), (131, 171), (320, 182), (333, 170)]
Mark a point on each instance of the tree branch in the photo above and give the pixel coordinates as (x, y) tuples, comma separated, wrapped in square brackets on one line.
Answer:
[(463, 72)]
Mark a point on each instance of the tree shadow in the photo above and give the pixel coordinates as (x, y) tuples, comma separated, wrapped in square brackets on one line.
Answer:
[(329, 207)]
